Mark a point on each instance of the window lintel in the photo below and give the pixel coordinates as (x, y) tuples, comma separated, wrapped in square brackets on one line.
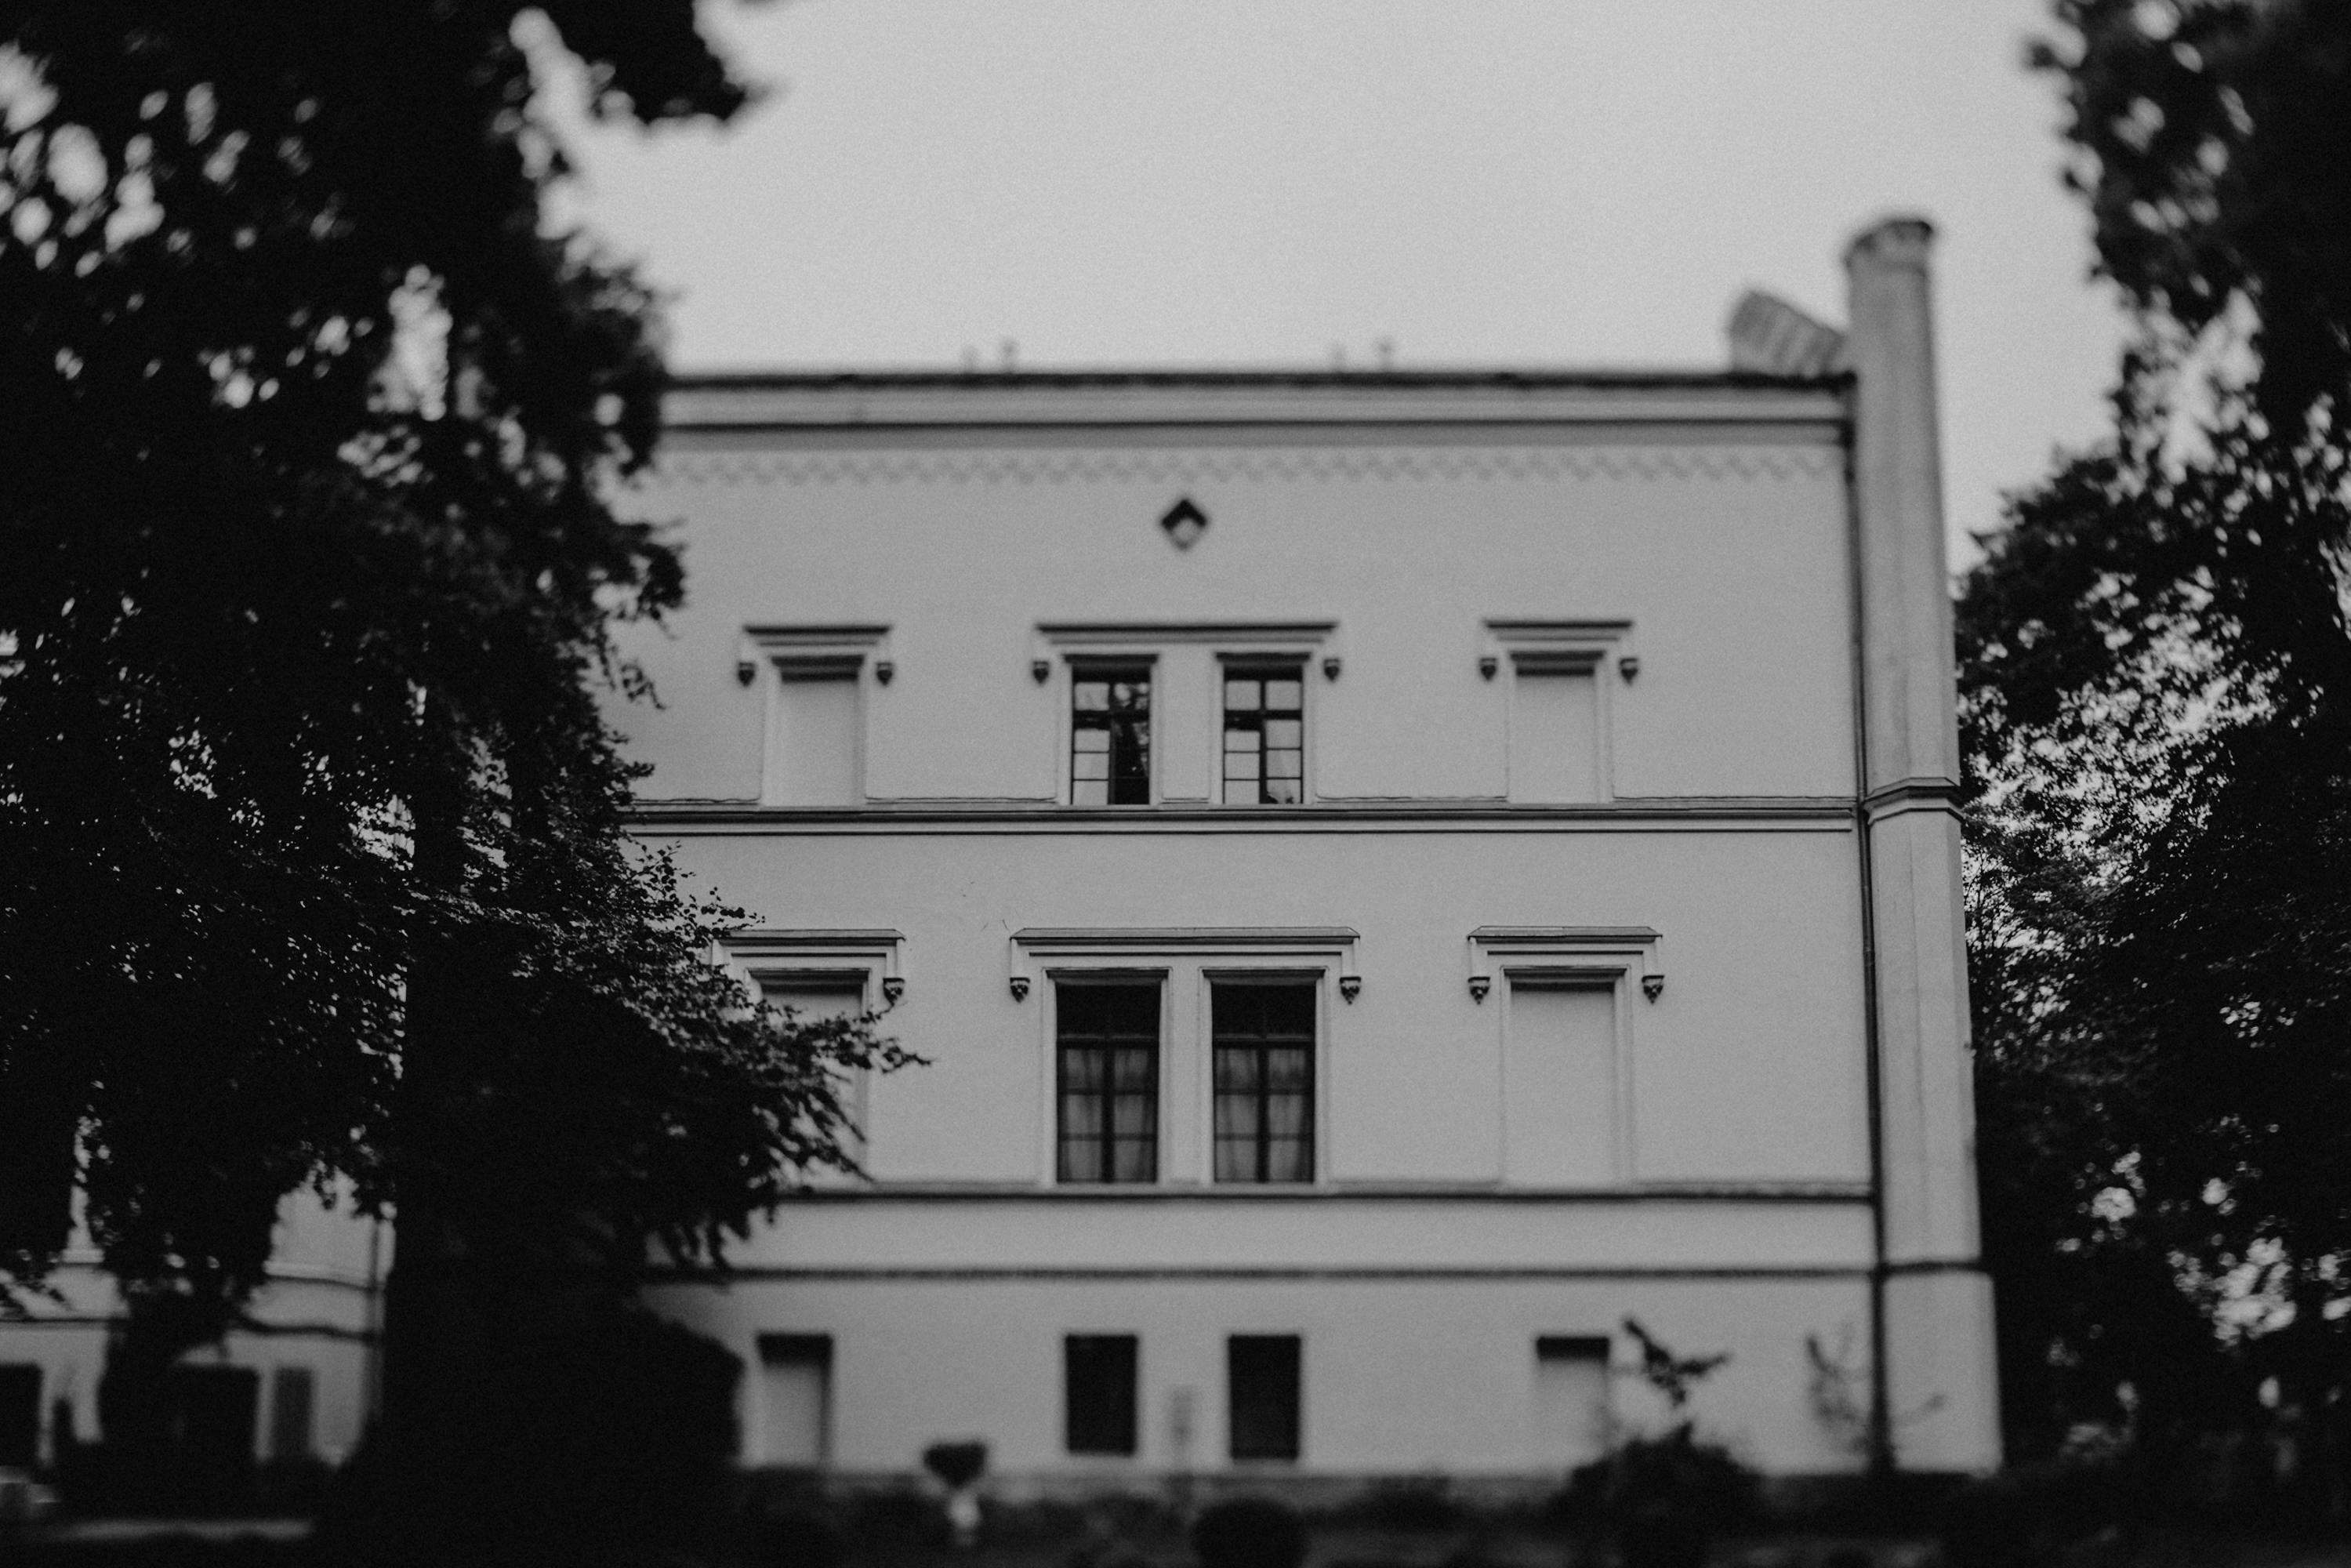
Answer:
[(1567, 953)]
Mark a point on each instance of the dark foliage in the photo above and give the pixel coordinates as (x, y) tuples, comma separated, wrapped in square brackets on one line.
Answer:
[(2156, 711), (2213, 151), (1678, 1473), (317, 869), (1250, 1532), (956, 1464), (555, 1467), (792, 1538)]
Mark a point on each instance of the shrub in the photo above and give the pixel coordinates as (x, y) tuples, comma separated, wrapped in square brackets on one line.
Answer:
[(1250, 1532), (891, 1524), (1416, 1503), (1656, 1534), (793, 1538), (958, 1464), (1987, 1523), (1704, 1481)]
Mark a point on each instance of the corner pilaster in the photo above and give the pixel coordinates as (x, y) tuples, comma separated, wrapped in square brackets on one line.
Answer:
[(1941, 1392)]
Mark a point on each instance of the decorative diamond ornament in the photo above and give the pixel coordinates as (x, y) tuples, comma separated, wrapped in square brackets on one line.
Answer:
[(1184, 523)]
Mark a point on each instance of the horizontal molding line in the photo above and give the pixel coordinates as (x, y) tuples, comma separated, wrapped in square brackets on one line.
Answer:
[(1933, 1266), (918, 462), (313, 1330), (278, 1276), (1368, 1273), (1796, 813), (1337, 1193)]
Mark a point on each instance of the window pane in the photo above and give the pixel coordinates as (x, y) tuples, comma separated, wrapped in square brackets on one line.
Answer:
[(1240, 696), (1090, 793), (1081, 1161), (1082, 1117), (1240, 765), (1284, 696), (1137, 1161), (1283, 791), (1236, 1116), (1285, 732), (1090, 740), (1086, 767), (1288, 1159), (1287, 1071), (1282, 765), (1091, 696), (1241, 740), (1236, 1071)]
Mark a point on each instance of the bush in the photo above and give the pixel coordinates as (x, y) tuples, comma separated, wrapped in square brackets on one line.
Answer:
[(1250, 1532), (1657, 1534), (1988, 1523), (1703, 1481), (558, 1466), (793, 1538), (956, 1465), (891, 1524), (1416, 1503)]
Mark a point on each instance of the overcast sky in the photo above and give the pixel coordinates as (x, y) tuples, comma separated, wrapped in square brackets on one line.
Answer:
[(1255, 183)]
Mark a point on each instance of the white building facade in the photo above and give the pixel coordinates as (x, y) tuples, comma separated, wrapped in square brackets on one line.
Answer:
[(1394, 875)]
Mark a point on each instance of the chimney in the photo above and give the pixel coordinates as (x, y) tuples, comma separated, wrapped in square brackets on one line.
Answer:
[(1771, 337)]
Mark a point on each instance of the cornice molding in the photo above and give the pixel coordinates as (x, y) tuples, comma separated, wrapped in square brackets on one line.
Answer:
[(1256, 401), (1822, 813), (1186, 466), (1477, 1192)]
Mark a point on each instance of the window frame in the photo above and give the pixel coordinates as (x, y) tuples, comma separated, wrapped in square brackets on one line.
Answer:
[(1594, 648), (1264, 666), (1312, 982), (768, 657), (1058, 982), (1077, 667), (1186, 960)]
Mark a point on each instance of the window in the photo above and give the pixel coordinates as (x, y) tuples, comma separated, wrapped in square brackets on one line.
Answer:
[(1261, 1396), (1264, 1072), (293, 1399), (1555, 733), (1560, 1111), (20, 1415), (815, 735), (796, 1397), (1108, 1044), (1571, 1399), (1098, 1382), (1110, 735), (1265, 736), (825, 994)]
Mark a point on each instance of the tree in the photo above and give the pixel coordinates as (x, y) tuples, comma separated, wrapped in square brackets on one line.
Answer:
[(2156, 698), (317, 861)]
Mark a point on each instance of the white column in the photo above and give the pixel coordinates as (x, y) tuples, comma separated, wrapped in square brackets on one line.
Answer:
[(1942, 1393)]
